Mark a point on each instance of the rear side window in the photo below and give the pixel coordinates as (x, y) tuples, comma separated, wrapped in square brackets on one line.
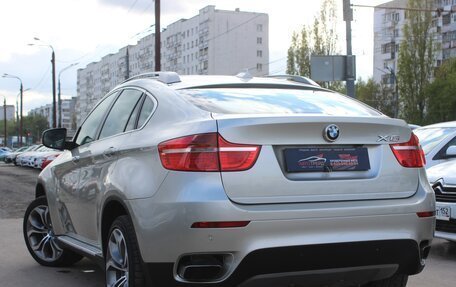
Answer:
[(275, 101), (134, 116), (117, 119), (431, 137), (89, 128), (146, 110)]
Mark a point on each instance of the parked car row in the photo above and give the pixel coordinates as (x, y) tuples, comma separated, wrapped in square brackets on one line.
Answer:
[(439, 145), (4, 151), (35, 156)]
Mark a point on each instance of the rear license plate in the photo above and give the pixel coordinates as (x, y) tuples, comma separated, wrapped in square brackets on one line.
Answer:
[(443, 213), (326, 159)]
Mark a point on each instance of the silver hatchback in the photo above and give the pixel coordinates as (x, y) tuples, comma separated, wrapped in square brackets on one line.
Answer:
[(232, 180)]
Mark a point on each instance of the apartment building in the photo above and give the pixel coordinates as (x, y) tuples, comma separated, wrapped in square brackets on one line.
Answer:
[(68, 114), (388, 24), (388, 35), (9, 112), (45, 111), (213, 42), (446, 26)]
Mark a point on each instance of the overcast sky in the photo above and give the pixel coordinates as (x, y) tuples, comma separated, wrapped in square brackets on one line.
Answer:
[(85, 30)]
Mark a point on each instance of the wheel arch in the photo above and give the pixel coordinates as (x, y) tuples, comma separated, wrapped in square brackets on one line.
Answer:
[(112, 208), (39, 190)]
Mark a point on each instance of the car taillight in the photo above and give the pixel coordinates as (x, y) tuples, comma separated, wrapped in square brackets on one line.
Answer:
[(409, 154), (207, 152), (236, 157)]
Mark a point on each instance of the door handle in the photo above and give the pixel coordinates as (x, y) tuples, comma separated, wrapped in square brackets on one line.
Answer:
[(109, 152), (75, 159)]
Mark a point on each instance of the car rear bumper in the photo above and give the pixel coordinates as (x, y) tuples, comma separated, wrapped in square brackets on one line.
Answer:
[(379, 233), (351, 263), (446, 229), (446, 235)]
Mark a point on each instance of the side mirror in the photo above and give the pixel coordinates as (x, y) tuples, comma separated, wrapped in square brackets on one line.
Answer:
[(451, 151), (56, 139)]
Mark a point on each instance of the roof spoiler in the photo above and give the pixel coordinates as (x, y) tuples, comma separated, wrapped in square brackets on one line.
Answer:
[(295, 78), (164, 77)]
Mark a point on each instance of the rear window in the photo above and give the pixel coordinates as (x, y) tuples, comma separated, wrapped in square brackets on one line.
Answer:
[(275, 101)]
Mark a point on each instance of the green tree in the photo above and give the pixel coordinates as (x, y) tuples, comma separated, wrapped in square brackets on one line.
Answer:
[(415, 62), (291, 58), (441, 94), (34, 125), (303, 54), (11, 128), (375, 95), (319, 39)]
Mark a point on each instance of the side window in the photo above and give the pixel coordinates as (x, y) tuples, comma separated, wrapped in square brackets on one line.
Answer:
[(89, 128), (117, 118), (450, 143), (134, 116), (442, 152), (146, 110)]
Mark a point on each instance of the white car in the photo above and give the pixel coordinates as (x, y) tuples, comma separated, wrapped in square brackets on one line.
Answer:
[(24, 158), (40, 157), (438, 142), (234, 180), (443, 179)]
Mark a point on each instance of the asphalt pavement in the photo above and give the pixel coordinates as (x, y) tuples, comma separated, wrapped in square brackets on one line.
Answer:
[(18, 269)]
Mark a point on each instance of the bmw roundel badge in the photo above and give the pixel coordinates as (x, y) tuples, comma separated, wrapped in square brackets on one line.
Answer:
[(331, 133)]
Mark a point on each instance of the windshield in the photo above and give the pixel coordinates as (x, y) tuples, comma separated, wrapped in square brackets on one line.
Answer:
[(431, 137), (275, 101)]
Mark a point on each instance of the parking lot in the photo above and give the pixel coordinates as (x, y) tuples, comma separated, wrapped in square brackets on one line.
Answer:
[(17, 268)]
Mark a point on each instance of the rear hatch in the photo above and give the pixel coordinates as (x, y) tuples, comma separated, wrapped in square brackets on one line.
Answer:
[(297, 162)]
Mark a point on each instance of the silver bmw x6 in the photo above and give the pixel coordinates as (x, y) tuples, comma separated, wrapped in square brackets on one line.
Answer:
[(234, 181)]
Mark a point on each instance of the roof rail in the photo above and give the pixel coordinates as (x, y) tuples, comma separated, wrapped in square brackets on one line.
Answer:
[(164, 77), (295, 78)]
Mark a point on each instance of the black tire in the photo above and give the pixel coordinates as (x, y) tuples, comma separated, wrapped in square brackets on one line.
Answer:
[(397, 280), (122, 233), (40, 239)]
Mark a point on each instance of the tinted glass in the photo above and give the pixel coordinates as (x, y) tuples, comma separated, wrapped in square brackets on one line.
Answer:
[(276, 101), (88, 130), (431, 137), (117, 119), (133, 117), (146, 110)]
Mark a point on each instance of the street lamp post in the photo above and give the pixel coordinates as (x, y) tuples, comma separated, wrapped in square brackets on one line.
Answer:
[(59, 95), (4, 121), (17, 117), (54, 109), (17, 112), (157, 37), (21, 92)]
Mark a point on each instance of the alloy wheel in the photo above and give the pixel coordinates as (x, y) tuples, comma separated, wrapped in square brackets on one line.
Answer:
[(41, 236), (117, 260)]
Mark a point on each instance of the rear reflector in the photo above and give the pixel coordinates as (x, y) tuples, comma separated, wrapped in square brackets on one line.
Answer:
[(409, 154), (207, 152), (220, 224), (425, 214)]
